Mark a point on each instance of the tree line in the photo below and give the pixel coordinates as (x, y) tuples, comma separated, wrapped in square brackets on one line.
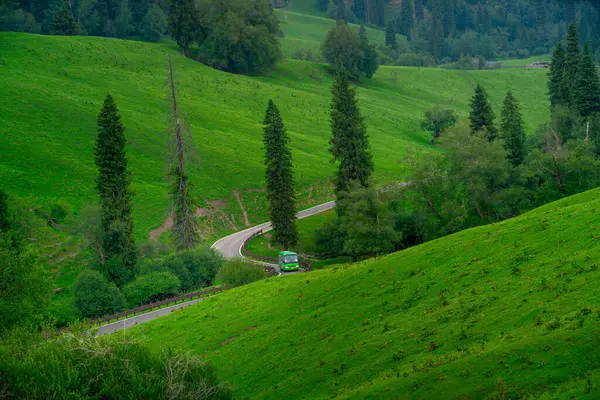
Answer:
[(233, 35), (440, 31), (490, 170)]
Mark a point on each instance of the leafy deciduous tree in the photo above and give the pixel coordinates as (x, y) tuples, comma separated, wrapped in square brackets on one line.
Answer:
[(183, 23), (436, 120), (95, 296), (63, 22), (154, 24)]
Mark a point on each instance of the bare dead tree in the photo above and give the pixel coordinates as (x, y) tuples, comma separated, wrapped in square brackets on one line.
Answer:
[(554, 150), (181, 150)]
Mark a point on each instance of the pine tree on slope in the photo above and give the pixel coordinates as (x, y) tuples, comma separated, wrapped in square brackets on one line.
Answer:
[(112, 185), (280, 180), (481, 116), (349, 144), (390, 36), (512, 130), (586, 92), (556, 77), (572, 58), (405, 21)]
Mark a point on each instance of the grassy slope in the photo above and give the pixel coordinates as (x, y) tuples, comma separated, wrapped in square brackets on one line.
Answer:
[(53, 88), (513, 305), (303, 32)]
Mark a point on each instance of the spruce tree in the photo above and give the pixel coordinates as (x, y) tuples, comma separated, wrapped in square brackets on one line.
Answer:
[(511, 126), (390, 36), (572, 58), (481, 116), (556, 77), (280, 180), (4, 219), (349, 144), (436, 38), (586, 92), (183, 23), (448, 17), (405, 21), (112, 185), (184, 227), (418, 5)]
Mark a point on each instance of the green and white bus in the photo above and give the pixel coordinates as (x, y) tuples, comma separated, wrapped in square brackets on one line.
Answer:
[(288, 261)]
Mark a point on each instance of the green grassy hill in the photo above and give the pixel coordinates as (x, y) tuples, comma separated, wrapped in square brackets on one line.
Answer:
[(504, 311), (302, 32), (53, 88)]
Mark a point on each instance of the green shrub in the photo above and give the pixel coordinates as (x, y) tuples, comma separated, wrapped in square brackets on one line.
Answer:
[(237, 273), (102, 368), (155, 286), (194, 268), (24, 285), (95, 296)]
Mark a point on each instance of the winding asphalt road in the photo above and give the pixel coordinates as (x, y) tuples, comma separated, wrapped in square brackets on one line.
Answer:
[(230, 246)]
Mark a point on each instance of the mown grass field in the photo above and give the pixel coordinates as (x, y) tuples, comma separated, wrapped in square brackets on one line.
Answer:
[(509, 310)]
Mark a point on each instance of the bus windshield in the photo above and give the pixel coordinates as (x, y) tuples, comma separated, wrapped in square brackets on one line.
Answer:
[(290, 259)]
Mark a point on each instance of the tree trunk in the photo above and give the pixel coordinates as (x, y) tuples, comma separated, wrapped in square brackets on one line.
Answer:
[(558, 175)]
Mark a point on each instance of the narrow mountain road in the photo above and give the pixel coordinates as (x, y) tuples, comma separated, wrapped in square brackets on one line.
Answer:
[(140, 319), (231, 246)]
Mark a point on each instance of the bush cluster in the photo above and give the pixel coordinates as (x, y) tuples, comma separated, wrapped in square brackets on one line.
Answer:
[(73, 367)]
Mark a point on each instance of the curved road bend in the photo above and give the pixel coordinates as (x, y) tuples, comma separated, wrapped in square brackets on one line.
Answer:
[(230, 246)]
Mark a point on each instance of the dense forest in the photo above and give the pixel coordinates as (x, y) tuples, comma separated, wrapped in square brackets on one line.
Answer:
[(447, 29), (438, 31)]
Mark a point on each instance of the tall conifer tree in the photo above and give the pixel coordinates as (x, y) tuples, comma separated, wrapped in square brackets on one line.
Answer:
[(405, 21), (572, 58), (113, 181), (418, 5), (556, 77), (349, 144), (390, 36), (586, 93), (512, 130), (482, 116), (280, 180)]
